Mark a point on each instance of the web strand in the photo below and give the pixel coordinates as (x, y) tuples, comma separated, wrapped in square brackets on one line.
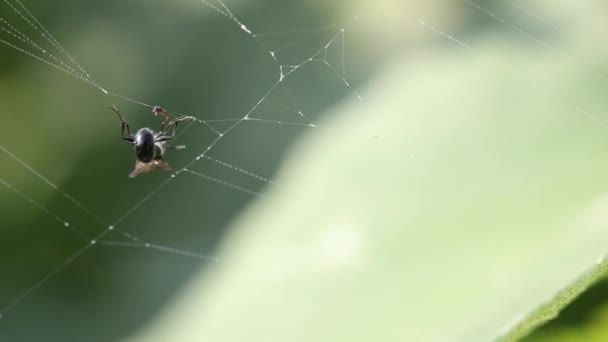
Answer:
[(42, 30), (511, 26), (42, 208), (529, 14), (160, 248), (221, 182), (523, 78), (240, 170), (13, 32), (507, 23), (71, 199)]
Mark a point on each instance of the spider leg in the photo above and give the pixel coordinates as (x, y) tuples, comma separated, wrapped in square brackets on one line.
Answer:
[(172, 125), (162, 138), (124, 125), (168, 130), (158, 111), (169, 124), (128, 137)]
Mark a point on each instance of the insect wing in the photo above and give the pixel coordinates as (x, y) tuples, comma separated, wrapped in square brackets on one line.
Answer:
[(160, 164), (141, 167)]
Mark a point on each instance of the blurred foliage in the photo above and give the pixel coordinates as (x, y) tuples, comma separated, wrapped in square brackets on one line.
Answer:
[(583, 320), (462, 194)]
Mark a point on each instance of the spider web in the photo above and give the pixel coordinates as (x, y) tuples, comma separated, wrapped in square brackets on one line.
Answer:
[(70, 229), (294, 67)]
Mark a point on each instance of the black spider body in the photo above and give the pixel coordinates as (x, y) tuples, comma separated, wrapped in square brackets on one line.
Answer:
[(149, 146), (144, 145)]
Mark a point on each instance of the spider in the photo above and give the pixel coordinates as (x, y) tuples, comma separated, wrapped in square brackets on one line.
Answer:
[(150, 146)]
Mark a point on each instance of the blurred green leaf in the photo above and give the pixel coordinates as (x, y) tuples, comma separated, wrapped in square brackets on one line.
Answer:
[(462, 200)]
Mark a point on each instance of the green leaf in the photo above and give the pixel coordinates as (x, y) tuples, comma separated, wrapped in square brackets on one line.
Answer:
[(462, 200)]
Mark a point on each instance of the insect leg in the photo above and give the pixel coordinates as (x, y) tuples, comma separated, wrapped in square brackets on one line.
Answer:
[(124, 125), (172, 125), (159, 111)]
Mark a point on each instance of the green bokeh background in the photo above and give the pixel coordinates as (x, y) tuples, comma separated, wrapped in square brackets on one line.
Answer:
[(185, 57)]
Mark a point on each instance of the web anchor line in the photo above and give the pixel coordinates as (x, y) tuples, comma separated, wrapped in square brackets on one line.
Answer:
[(523, 78), (522, 32)]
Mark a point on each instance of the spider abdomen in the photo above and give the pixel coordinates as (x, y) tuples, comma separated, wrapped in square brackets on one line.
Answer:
[(149, 146), (144, 145)]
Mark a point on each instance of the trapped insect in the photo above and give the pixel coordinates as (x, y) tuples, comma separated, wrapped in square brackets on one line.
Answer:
[(150, 146)]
